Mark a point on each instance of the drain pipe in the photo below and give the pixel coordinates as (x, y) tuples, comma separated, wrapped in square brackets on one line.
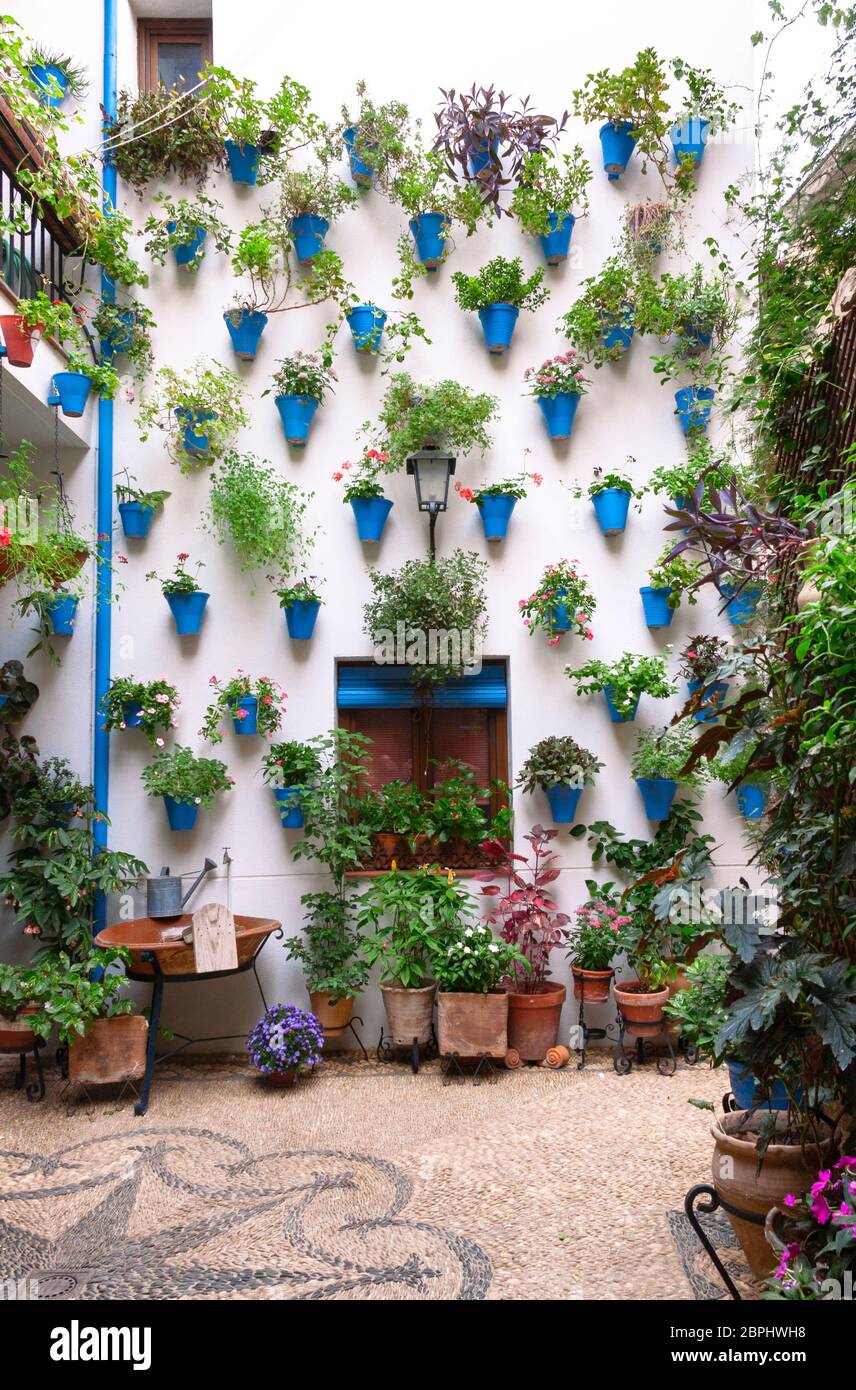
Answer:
[(104, 507)]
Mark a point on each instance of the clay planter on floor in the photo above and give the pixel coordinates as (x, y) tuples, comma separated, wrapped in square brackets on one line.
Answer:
[(638, 1007), (787, 1168), (533, 1020), (332, 1017), (16, 1032), (281, 1078), (472, 1025), (111, 1050), (388, 843), (592, 985), (409, 1012)]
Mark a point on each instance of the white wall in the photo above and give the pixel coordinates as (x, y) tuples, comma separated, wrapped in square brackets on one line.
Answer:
[(626, 412)]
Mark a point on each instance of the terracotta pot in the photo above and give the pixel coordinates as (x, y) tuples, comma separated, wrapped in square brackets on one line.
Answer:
[(388, 843), (281, 1078), (638, 1007), (18, 338), (16, 1032), (111, 1050), (592, 985), (409, 1012), (787, 1168), (533, 1020), (333, 1017), (681, 981), (473, 1025)]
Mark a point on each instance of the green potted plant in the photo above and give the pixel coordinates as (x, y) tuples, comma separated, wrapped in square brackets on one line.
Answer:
[(672, 580), (562, 602), (705, 110), (557, 386), (594, 940), (328, 949), (600, 323), (163, 133), (186, 782), (611, 495), (496, 501), (255, 706), (650, 229), (435, 204), (17, 693), (182, 226), (299, 385), (680, 481), (22, 989), (472, 1005), (735, 769), (658, 763), (698, 1010), (200, 410), (697, 315), (289, 768), (459, 815), (301, 604), (82, 1002), (549, 196), (498, 292), (150, 706), (182, 591), (70, 389), (444, 413), (624, 682), (48, 571), (262, 257), (394, 812), (446, 595), (138, 506), (364, 491), (124, 328), (562, 769), (258, 512), (310, 200), (632, 106), (35, 318), (376, 137), (56, 77), (701, 661)]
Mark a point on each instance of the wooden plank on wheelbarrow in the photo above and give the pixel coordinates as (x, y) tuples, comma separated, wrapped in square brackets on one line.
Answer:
[(214, 946)]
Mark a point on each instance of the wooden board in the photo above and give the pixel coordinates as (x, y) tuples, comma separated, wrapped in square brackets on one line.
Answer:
[(214, 945)]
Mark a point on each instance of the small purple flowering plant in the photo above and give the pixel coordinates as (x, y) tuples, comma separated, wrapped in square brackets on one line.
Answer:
[(286, 1039), (815, 1239)]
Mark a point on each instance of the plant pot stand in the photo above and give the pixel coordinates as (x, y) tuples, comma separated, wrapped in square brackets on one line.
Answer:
[(479, 1068), (645, 1034), (388, 1050), (339, 1032), (585, 1033), (33, 1090), (709, 1201)]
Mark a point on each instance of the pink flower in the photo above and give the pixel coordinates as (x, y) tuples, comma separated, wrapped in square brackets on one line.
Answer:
[(337, 477), (553, 641)]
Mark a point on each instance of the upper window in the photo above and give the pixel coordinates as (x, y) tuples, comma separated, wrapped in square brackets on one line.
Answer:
[(172, 51)]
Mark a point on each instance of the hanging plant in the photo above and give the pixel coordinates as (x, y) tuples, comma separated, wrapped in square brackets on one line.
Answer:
[(301, 604), (632, 106), (704, 111), (151, 706), (649, 230), (161, 133), (184, 595), (259, 135), (364, 492), (56, 77), (435, 205), (485, 140), (549, 198), (259, 513), (186, 782), (182, 227), (496, 501), (624, 681), (376, 138), (429, 597), (310, 200), (124, 329), (17, 694), (300, 383), (200, 411), (443, 413), (610, 494), (498, 292), (138, 507), (253, 705), (557, 386), (600, 323), (562, 602)]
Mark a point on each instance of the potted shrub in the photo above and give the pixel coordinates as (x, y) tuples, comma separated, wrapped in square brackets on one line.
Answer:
[(150, 706), (289, 768), (672, 579), (199, 410), (301, 604), (697, 315), (242, 118), (701, 661), (526, 916), (705, 111), (594, 940), (624, 682), (458, 815), (658, 765), (365, 493), (124, 329), (300, 384), (472, 1006), (106, 1043), (751, 784), (70, 390), (182, 226), (496, 501), (262, 255), (394, 812), (813, 1238), (56, 77), (36, 318), (22, 989), (446, 595), (138, 507), (185, 782), (610, 495), (557, 386), (549, 197), (376, 139), (562, 769), (286, 1042), (651, 228), (697, 1010), (329, 947), (185, 598), (631, 105), (562, 602), (435, 204), (163, 133), (310, 200), (415, 415), (255, 706), (258, 513), (600, 323), (17, 693), (499, 291)]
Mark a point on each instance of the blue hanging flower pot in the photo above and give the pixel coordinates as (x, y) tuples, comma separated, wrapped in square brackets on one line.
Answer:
[(132, 714), (180, 814), (618, 330), (195, 440), (370, 514), (430, 233), (121, 335), (689, 139), (290, 808), (611, 506), (748, 1094), (136, 519), (615, 714), (655, 605), (187, 610), (563, 803), (71, 390), (366, 323), (618, 145), (692, 406), (557, 241), (559, 412), (187, 255), (301, 617), (48, 78), (243, 162), (481, 152), (245, 715), (245, 329), (61, 613), (714, 694), (296, 414), (751, 798), (740, 608), (495, 512), (696, 332), (561, 617), (361, 172), (308, 233), (658, 793), (497, 323)]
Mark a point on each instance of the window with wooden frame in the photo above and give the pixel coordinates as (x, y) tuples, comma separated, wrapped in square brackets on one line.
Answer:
[(172, 51)]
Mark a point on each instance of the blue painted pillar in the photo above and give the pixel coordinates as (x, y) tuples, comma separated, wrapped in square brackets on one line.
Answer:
[(104, 508)]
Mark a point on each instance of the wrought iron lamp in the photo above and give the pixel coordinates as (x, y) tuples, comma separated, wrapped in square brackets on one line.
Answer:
[(431, 469)]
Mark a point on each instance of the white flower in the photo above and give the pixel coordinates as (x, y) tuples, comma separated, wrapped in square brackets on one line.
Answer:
[(467, 951), (198, 800), (493, 947)]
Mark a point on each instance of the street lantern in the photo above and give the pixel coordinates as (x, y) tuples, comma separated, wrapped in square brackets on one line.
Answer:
[(431, 469)]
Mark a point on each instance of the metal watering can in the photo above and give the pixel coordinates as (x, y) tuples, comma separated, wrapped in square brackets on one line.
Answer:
[(163, 894)]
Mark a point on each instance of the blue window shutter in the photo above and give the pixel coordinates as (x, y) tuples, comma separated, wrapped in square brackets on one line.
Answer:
[(389, 687)]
